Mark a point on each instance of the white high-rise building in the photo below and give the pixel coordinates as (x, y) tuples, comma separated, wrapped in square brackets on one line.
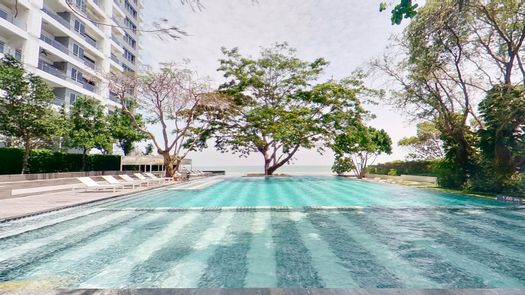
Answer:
[(73, 50)]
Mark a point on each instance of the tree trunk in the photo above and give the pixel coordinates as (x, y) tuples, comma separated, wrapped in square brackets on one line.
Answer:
[(168, 164), (25, 158), (176, 164), (267, 171)]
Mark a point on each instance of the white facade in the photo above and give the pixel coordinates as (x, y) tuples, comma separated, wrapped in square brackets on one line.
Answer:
[(73, 50)]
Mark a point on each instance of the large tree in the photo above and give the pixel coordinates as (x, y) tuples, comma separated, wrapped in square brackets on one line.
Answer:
[(276, 106), (451, 57), (502, 140), (89, 127), (172, 98), (361, 146), (26, 112), (433, 69)]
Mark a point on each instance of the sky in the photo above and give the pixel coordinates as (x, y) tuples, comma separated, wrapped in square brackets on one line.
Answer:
[(348, 33)]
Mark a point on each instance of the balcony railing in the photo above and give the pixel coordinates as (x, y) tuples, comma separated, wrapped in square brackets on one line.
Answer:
[(55, 16), (113, 97), (89, 40), (10, 18), (42, 65), (116, 40), (89, 87), (51, 41), (58, 101), (89, 64), (6, 50), (115, 58)]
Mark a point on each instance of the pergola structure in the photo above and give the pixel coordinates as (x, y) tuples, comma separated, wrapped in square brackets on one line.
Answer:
[(147, 163)]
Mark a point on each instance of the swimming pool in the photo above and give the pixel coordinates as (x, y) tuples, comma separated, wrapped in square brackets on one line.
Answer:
[(271, 233), (298, 192)]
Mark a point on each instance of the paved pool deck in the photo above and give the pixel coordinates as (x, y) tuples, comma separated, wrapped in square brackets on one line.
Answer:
[(269, 291), (35, 204), (40, 203)]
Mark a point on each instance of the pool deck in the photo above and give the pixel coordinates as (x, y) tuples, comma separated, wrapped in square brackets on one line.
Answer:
[(13, 208), (269, 291), (35, 204)]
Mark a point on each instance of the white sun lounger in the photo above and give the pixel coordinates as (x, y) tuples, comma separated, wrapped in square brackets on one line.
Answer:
[(92, 185), (113, 180), (153, 176), (142, 177), (128, 179)]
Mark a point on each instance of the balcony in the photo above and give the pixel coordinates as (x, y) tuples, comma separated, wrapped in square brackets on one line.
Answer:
[(10, 18), (115, 39), (6, 50), (115, 58), (89, 64), (89, 40), (113, 97), (48, 68), (51, 41), (56, 17), (89, 87)]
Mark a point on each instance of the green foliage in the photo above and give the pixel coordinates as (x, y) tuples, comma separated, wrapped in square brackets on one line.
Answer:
[(450, 174), (426, 145), (502, 140), (405, 9), (123, 131), (89, 127), (421, 168), (342, 165), (275, 107), (393, 172), (148, 150), (46, 161), (25, 107), (362, 145), (11, 159)]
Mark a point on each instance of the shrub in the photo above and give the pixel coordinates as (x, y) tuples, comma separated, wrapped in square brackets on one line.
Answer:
[(11, 159), (422, 168), (449, 175), (46, 161), (393, 172)]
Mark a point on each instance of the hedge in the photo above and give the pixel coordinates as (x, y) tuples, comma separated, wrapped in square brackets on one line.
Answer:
[(421, 168), (46, 161)]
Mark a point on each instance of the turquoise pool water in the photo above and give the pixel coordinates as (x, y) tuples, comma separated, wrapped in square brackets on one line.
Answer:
[(399, 238), (300, 192)]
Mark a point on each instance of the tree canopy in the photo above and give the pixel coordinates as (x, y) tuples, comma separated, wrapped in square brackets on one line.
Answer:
[(26, 112), (89, 127), (173, 98), (361, 145), (426, 145), (275, 105)]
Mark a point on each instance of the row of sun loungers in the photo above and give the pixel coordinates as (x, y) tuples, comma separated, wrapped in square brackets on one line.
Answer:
[(125, 180)]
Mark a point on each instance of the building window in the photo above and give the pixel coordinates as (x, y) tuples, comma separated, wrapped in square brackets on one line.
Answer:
[(130, 9), (128, 39), (78, 50), (129, 56), (130, 24), (76, 75), (79, 27)]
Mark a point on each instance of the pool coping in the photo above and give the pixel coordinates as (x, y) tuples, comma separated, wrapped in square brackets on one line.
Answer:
[(265, 291)]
